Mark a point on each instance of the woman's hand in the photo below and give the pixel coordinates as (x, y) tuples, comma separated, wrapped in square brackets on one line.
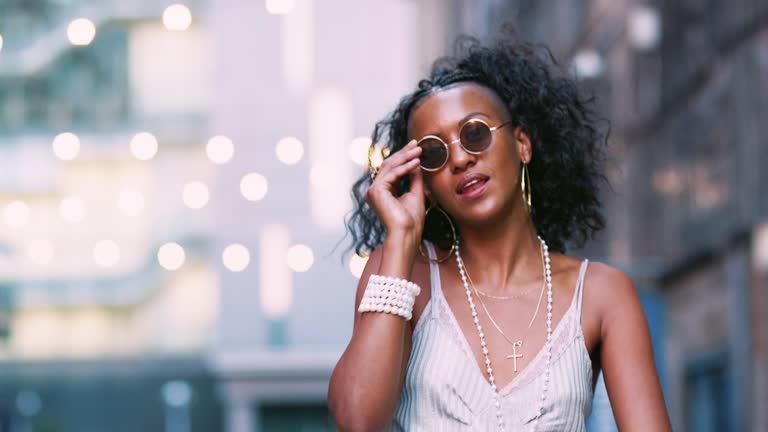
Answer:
[(362, 397), (403, 215)]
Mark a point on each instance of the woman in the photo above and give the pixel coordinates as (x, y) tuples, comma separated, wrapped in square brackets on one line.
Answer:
[(469, 316)]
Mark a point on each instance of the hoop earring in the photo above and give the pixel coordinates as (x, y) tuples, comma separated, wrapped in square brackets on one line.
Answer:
[(453, 234), (526, 179)]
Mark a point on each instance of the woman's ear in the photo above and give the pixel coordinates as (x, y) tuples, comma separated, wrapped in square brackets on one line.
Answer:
[(523, 142)]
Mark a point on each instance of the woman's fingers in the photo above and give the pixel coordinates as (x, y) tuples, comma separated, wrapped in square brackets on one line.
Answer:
[(401, 156), (398, 211), (417, 182), (391, 175)]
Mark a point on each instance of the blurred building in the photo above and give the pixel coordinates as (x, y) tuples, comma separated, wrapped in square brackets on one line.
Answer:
[(173, 182), (99, 136)]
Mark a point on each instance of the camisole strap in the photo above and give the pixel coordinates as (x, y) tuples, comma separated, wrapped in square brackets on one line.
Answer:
[(434, 270), (580, 286)]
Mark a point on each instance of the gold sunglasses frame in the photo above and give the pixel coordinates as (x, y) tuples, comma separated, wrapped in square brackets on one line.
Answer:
[(448, 147)]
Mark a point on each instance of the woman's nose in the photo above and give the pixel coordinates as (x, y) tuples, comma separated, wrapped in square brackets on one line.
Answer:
[(459, 158)]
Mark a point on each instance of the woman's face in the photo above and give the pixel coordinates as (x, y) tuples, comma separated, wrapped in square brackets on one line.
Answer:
[(473, 188)]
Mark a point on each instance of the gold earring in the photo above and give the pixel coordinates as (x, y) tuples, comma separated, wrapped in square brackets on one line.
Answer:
[(526, 179), (373, 168), (453, 234)]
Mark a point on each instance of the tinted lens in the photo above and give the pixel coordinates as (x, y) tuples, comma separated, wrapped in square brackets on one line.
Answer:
[(433, 153), (475, 136)]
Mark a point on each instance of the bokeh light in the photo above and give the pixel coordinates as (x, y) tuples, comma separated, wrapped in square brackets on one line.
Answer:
[(299, 258), (643, 27), (195, 195), (377, 157), (171, 256), (1, 42), (358, 150), (177, 17), (289, 150), (144, 146), (588, 64), (106, 253), (279, 7), (66, 146), (220, 149), (253, 186), (357, 265), (236, 257), (81, 31)]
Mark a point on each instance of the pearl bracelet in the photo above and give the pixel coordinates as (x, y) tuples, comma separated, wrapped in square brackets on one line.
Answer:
[(389, 295)]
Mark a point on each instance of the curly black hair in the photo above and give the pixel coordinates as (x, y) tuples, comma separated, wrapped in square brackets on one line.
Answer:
[(547, 103)]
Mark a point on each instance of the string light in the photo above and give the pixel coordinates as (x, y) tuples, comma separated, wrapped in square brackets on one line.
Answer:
[(588, 63), (171, 256), (219, 149), (253, 186), (144, 146), (643, 27), (289, 150), (357, 265), (358, 150), (236, 257), (81, 31), (177, 17), (66, 146)]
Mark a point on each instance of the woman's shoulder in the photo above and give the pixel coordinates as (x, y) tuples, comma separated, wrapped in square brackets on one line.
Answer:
[(609, 290), (608, 280), (598, 276)]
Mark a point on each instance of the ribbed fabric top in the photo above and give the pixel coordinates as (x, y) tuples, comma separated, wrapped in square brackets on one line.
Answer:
[(445, 390)]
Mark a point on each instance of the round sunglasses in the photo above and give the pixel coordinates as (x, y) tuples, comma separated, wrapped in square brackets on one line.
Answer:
[(475, 136)]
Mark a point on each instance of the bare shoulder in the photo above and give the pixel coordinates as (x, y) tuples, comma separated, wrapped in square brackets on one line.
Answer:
[(609, 282), (625, 351), (610, 292)]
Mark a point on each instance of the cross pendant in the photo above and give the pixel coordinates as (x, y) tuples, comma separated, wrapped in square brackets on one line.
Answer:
[(515, 355)]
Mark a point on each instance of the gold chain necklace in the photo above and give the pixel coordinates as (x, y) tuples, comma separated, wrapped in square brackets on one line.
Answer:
[(519, 343), (514, 296)]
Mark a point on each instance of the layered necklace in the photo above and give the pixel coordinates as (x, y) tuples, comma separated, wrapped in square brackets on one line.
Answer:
[(484, 346), (519, 343)]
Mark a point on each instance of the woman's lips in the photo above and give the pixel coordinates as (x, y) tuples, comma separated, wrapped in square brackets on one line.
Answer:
[(474, 188)]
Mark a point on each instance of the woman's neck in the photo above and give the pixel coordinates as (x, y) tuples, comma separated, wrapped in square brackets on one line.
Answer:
[(502, 256)]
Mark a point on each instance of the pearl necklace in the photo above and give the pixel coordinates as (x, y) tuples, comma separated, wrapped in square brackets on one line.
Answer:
[(484, 346)]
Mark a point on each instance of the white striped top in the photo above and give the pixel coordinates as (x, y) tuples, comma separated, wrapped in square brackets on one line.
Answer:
[(445, 390)]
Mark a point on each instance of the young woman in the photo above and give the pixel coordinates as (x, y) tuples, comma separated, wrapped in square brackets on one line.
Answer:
[(469, 315)]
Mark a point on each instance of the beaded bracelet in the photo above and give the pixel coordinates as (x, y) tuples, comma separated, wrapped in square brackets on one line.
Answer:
[(389, 295)]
